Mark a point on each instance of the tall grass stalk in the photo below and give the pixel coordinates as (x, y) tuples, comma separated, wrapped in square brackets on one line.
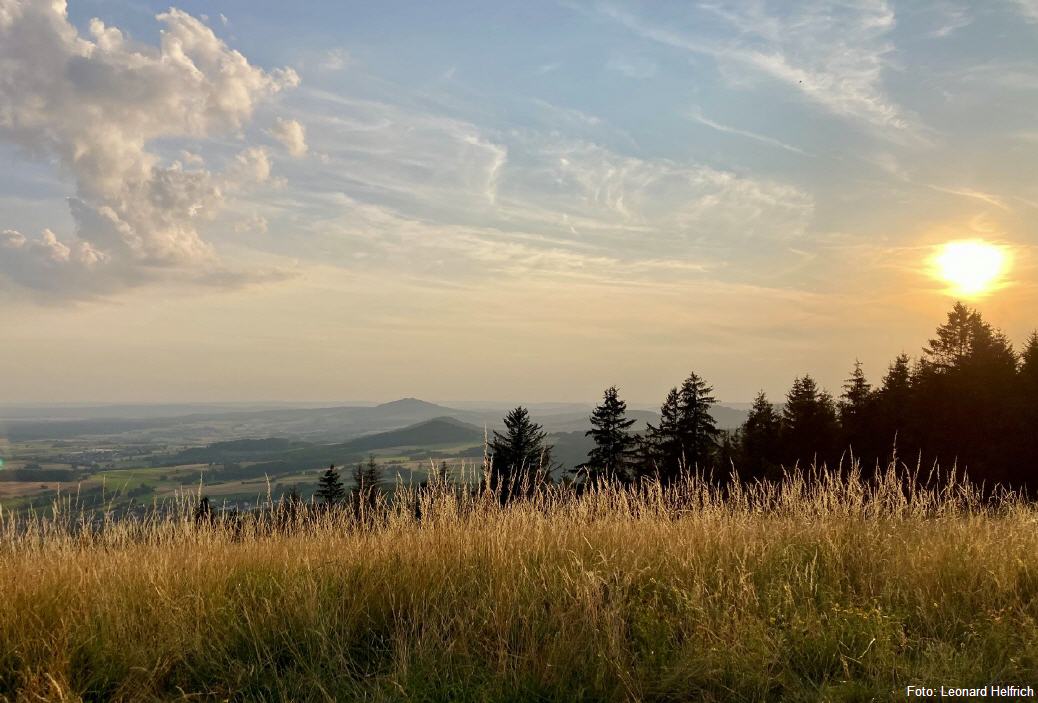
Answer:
[(819, 587)]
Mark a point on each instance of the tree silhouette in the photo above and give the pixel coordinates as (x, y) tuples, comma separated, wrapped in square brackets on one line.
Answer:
[(687, 435), (697, 430), (966, 340), (857, 417), (967, 374), (660, 450), (204, 512), (330, 490), (611, 456), (760, 440), (1028, 403), (894, 411), (520, 458), (367, 485), (809, 426)]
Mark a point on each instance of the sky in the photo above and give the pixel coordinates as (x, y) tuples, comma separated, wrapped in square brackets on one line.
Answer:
[(529, 201)]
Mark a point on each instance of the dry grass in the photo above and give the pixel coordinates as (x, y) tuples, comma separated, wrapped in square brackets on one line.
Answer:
[(834, 590)]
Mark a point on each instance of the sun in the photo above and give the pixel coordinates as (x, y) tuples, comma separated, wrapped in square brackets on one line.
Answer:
[(972, 267)]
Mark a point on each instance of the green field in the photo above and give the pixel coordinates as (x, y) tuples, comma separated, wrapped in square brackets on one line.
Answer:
[(132, 482)]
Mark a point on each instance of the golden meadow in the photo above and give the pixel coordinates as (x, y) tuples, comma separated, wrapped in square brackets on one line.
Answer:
[(813, 588)]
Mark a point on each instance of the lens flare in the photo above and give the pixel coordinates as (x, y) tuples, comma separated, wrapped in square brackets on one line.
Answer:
[(971, 267)]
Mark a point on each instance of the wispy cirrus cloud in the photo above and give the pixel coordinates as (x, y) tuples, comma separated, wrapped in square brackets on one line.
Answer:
[(404, 188), (696, 116), (832, 55)]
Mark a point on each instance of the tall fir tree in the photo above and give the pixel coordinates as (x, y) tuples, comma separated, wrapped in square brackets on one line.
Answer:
[(697, 429), (967, 372), (895, 418), (660, 448), (809, 425), (1029, 367), (1028, 403), (760, 441), (521, 457), (857, 418), (687, 435), (330, 490), (367, 484), (610, 458)]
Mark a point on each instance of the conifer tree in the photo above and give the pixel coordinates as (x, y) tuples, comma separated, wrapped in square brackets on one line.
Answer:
[(697, 430), (611, 455), (856, 409), (809, 426), (521, 457), (660, 451), (1029, 365), (330, 490), (372, 476), (965, 341), (967, 373), (1028, 404), (895, 411), (759, 440), (367, 484), (687, 434)]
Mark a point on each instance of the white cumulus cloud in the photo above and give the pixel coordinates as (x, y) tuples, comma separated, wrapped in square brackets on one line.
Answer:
[(95, 103), (292, 136)]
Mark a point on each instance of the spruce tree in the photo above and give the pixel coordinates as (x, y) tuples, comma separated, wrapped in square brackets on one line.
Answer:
[(687, 434), (330, 490), (759, 440), (895, 411), (1028, 406), (660, 450), (611, 456), (856, 409), (809, 426), (1029, 366), (521, 457), (967, 373), (367, 485), (697, 430), (373, 476)]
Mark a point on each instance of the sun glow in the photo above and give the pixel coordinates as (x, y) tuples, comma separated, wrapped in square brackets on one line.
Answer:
[(972, 267)]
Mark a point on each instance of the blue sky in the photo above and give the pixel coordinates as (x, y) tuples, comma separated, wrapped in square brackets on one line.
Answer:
[(753, 190)]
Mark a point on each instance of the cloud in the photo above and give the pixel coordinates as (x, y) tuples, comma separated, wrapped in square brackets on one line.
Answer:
[(398, 153), (95, 103), (292, 136), (833, 56), (336, 60), (1027, 8), (632, 67), (763, 139), (952, 19)]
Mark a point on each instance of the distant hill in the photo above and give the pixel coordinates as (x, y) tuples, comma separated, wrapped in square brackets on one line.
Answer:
[(280, 456), (316, 425), (234, 450), (438, 431)]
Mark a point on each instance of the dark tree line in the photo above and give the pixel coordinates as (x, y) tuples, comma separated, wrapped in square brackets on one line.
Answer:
[(969, 401), (364, 495)]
